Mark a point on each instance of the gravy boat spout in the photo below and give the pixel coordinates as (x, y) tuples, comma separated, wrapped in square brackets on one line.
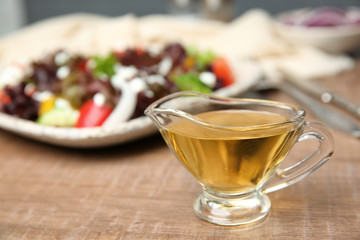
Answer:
[(180, 105)]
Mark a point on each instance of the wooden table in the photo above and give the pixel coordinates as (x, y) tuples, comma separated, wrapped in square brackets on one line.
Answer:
[(140, 191)]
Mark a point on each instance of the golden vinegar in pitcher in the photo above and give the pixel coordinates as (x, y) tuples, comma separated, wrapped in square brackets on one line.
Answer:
[(239, 151)]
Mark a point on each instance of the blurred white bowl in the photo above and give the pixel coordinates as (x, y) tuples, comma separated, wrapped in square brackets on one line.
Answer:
[(333, 39)]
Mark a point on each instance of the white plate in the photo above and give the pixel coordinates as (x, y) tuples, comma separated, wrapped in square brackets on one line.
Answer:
[(92, 33), (247, 75)]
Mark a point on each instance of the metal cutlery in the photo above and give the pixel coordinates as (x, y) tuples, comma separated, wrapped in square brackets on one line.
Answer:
[(327, 96), (329, 116)]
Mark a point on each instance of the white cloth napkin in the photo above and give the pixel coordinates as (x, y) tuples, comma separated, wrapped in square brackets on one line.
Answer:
[(254, 36)]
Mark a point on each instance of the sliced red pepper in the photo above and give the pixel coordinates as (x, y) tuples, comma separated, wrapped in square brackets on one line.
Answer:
[(92, 115), (222, 70)]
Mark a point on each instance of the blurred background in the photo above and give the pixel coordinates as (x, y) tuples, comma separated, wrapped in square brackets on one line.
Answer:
[(17, 13)]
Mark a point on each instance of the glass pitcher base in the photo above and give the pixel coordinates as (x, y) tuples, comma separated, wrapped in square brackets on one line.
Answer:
[(231, 211)]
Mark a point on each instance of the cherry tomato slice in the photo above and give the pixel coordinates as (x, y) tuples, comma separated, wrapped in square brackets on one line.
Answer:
[(92, 115), (222, 71), (4, 98), (82, 65)]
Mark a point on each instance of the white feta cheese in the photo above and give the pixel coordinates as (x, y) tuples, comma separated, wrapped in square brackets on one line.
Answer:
[(149, 93), (208, 78), (138, 85), (63, 72), (165, 66), (61, 58), (122, 75), (99, 99), (128, 72), (62, 103), (42, 96), (117, 81), (29, 88), (153, 79)]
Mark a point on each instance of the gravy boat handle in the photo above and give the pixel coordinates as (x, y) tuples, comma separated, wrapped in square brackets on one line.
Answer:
[(290, 175)]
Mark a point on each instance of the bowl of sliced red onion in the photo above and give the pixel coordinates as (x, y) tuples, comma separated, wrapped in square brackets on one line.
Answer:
[(332, 29)]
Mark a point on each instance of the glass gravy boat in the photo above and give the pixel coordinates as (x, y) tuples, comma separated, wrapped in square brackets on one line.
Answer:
[(234, 147)]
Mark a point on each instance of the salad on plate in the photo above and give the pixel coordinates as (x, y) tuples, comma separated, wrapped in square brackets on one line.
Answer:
[(77, 91)]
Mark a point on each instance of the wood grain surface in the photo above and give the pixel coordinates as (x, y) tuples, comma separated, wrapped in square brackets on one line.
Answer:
[(140, 191)]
